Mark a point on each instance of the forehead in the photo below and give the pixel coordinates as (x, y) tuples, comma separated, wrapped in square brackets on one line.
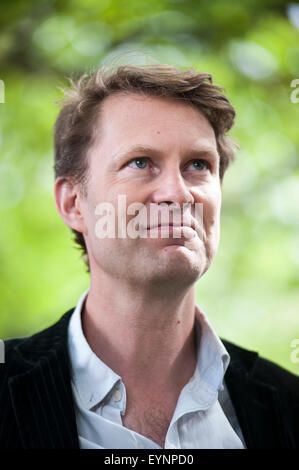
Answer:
[(135, 116)]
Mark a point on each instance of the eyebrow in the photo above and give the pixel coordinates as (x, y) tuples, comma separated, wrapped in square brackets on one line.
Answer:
[(202, 151)]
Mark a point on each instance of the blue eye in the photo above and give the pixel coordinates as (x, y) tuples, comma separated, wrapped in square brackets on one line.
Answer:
[(141, 162), (200, 164)]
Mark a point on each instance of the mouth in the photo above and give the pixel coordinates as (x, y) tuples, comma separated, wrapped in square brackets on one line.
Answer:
[(172, 232), (151, 227), (174, 226)]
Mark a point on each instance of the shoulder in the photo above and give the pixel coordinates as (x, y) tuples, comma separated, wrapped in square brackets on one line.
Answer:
[(262, 370), (29, 364), (10, 364), (21, 354), (265, 397)]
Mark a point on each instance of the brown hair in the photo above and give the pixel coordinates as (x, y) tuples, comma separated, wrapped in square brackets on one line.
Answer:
[(75, 125)]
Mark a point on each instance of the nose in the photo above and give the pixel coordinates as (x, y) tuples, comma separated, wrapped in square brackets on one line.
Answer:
[(171, 188)]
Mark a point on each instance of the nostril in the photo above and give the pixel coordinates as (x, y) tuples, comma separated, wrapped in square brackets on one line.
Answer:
[(167, 202)]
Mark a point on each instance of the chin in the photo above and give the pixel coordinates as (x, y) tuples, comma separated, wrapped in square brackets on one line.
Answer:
[(183, 265)]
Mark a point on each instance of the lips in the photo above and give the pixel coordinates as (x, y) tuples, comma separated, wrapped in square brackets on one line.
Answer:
[(170, 226), (166, 225)]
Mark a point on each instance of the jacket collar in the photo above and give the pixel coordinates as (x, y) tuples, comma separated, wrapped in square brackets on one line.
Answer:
[(43, 404)]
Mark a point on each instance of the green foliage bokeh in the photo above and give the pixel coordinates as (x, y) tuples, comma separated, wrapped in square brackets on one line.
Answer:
[(251, 292)]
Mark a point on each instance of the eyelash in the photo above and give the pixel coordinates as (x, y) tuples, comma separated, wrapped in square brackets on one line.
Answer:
[(194, 160)]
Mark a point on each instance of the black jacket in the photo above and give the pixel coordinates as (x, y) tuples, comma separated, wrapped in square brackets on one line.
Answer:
[(37, 409)]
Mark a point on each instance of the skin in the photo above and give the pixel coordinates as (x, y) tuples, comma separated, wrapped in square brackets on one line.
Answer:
[(140, 310)]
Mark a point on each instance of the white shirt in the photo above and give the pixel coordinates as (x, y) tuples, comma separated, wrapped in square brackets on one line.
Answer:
[(198, 421)]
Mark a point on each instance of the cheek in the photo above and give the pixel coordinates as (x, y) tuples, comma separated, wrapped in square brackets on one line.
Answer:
[(211, 217)]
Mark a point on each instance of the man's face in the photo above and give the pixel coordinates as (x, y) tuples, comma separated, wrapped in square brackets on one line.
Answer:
[(152, 150)]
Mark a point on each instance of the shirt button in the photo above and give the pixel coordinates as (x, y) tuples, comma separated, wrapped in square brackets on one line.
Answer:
[(117, 395)]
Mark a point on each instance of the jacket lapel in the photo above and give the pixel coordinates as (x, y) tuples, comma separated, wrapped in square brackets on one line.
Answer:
[(41, 394), (258, 405)]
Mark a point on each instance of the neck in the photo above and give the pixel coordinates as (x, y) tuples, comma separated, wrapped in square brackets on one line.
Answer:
[(148, 340)]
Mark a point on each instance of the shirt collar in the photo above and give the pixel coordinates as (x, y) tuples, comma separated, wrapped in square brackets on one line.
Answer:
[(212, 357), (94, 380), (201, 392)]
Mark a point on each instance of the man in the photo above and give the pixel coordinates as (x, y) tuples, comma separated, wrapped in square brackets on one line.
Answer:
[(137, 364)]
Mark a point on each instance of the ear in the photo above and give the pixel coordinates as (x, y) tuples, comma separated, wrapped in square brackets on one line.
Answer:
[(68, 200)]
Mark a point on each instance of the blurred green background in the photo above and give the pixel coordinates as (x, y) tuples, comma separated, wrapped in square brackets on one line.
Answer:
[(251, 292)]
